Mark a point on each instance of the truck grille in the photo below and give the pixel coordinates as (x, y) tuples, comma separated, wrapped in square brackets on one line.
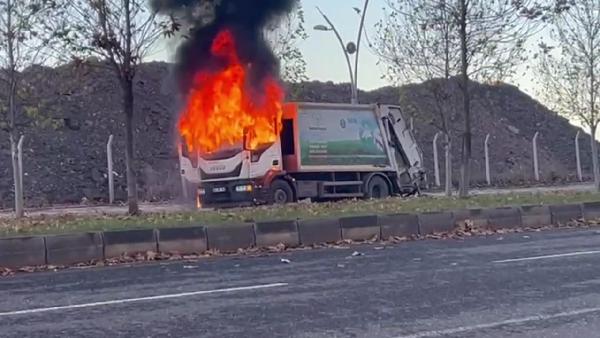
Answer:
[(235, 173)]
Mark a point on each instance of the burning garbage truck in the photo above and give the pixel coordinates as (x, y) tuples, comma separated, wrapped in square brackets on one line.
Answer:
[(241, 143)]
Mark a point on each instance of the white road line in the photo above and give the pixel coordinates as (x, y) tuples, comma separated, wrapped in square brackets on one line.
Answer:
[(535, 258), (141, 299), (463, 329)]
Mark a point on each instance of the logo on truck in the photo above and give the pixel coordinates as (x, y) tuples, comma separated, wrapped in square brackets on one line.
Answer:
[(217, 168)]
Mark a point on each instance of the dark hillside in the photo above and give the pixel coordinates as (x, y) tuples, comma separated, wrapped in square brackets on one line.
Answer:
[(79, 107)]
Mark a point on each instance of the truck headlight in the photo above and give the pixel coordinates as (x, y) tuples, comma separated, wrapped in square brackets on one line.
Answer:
[(244, 188)]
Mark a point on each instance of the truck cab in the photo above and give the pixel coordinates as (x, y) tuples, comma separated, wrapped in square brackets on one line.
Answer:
[(324, 151)]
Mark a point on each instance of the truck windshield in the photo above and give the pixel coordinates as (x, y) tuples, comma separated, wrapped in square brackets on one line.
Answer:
[(223, 153)]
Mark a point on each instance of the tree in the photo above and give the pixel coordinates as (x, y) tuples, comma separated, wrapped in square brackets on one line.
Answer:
[(121, 32), (417, 41), (284, 34), (492, 38), (569, 70), (489, 37), (23, 42)]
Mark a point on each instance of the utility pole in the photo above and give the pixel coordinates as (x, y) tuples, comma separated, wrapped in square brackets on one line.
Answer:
[(351, 48)]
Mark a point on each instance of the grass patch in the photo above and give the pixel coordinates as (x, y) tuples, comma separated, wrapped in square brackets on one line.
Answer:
[(70, 223)]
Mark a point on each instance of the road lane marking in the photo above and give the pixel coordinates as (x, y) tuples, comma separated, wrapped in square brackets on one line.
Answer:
[(141, 299), (535, 258), (520, 321)]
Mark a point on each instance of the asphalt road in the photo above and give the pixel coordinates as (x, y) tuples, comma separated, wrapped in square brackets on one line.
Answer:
[(540, 284)]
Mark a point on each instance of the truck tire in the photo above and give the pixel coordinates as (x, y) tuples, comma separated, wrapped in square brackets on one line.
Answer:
[(377, 188), (281, 193)]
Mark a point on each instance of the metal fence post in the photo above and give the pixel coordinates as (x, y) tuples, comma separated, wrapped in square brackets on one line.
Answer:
[(487, 160), (436, 167), (111, 182), (183, 182), (448, 158), (20, 159), (19, 193), (579, 173), (536, 171)]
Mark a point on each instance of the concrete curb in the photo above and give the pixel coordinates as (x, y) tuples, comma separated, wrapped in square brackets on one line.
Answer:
[(565, 213), (503, 218), (435, 222), (591, 210), (476, 216), (535, 215), (273, 233), (360, 228), (192, 240), (231, 238), (74, 248), (399, 225), (22, 251), (78, 248), (319, 231), (117, 243)]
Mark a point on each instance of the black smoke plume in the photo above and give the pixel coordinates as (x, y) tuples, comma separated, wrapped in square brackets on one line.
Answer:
[(202, 20)]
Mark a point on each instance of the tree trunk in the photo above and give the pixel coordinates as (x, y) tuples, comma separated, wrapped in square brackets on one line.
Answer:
[(12, 109), (595, 168), (465, 165), (448, 149), (132, 198)]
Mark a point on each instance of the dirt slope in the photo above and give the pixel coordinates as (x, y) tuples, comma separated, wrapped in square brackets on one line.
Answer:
[(78, 107)]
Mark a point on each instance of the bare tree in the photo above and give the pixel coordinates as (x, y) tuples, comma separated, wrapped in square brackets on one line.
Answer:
[(417, 42), (489, 38), (23, 42), (569, 69), (121, 32), (284, 34), (492, 38)]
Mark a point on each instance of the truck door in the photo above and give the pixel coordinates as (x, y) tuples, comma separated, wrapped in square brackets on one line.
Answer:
[(402, 161), (407, 152)]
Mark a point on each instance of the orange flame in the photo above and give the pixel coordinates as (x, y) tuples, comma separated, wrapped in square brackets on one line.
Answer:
[(221, 109)]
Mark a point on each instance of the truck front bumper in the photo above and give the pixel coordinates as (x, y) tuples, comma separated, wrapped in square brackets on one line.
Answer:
[(230, 193)]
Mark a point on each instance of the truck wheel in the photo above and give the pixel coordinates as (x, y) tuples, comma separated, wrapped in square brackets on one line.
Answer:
[(377, 188), (281, 193)]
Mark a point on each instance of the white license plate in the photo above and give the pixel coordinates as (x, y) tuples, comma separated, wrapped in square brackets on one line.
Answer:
[(219, 189)]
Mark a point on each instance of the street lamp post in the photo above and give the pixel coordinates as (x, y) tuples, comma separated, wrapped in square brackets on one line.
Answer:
[(348, 49)]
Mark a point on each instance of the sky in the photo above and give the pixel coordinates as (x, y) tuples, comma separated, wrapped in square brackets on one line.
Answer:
[(324, 55), (323, 52)]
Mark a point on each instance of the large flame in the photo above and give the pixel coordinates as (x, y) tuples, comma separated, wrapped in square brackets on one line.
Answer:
[(221, 109)]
